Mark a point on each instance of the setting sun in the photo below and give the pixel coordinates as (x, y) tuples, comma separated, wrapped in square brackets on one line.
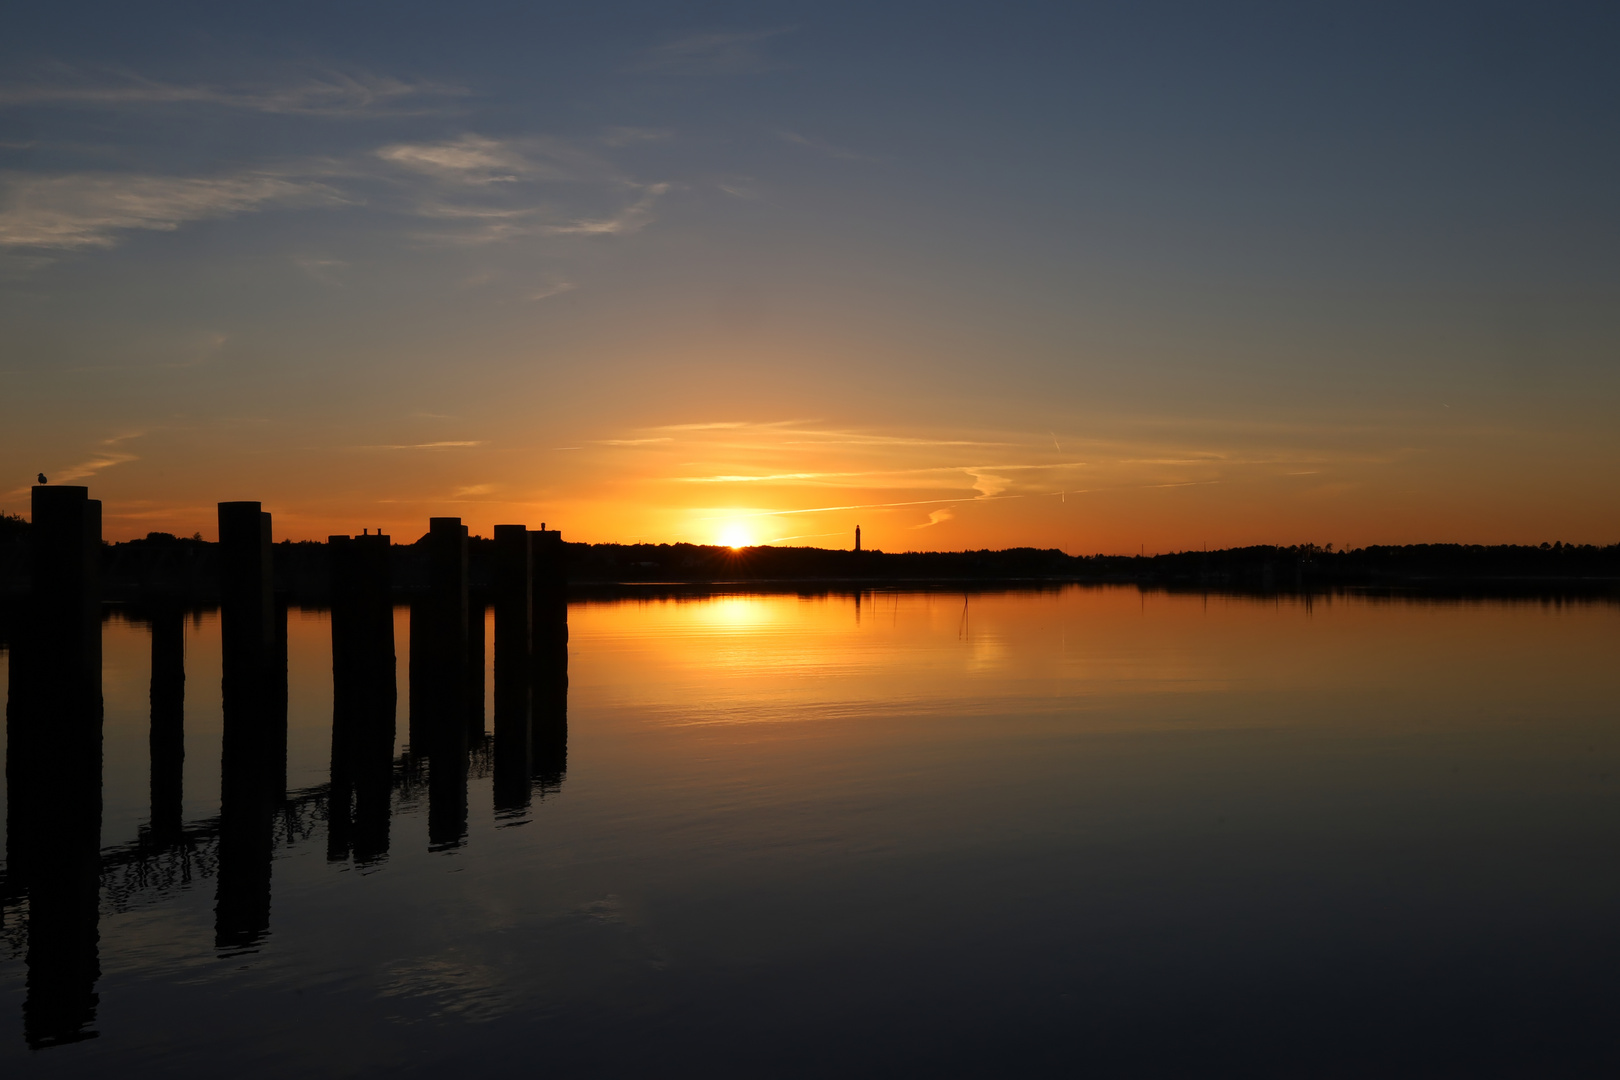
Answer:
[(735, 537)]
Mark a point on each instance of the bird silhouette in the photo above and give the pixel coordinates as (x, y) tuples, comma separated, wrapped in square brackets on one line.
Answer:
[(42, 479)]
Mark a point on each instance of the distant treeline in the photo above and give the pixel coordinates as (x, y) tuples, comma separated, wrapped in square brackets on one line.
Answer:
[(166, 565), (1260, 566)]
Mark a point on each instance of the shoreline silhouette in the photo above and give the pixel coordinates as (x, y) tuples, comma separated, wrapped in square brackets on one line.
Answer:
[(171, 568)]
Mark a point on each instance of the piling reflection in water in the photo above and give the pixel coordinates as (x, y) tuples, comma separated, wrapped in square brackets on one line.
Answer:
[(476, 661), (55, 862), (551, 719), (363, 699), (166, 741), (53, 769), (253, 761)]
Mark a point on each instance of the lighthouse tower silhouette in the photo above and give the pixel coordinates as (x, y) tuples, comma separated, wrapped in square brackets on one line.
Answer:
[(857, 538)]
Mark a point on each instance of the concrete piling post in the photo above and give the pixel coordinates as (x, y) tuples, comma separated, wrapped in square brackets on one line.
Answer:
[(253, 760), (247, 575), (53, 767), (364, 696), (549, 665), (439, 653)]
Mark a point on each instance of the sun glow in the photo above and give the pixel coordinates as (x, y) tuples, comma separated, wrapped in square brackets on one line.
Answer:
[(735, 536)]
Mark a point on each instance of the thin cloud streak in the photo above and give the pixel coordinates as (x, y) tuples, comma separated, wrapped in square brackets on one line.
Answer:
[(476, 160), (803, 536), (971, 470), (713, 53), (552, 290), (485, 189), (449, 444), (102, 459), (335, 94), (78, 211), (630, 136), (821, 146), (95, 464), (851, 506), (632, 218)]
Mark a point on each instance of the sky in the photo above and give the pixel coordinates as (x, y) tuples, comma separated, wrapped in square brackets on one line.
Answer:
[(1101, 277)]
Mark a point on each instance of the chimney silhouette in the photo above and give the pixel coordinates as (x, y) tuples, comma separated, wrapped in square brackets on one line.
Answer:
[(857, 538)]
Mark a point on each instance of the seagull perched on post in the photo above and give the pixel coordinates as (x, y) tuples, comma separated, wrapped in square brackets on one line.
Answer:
[(42, 479)]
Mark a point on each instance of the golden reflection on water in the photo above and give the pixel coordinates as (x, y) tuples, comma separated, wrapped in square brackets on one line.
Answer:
[(756, 659), (836, 668)]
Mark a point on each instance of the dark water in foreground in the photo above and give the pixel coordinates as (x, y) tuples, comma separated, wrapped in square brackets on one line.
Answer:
[(1088, 832)]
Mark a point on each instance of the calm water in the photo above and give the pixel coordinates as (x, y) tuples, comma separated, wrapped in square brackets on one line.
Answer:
[(1094, 831)]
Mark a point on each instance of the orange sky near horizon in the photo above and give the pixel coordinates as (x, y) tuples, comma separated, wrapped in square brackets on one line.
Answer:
[(1123, 487)]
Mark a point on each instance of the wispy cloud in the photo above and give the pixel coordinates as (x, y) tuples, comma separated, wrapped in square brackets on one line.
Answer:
[(713, 53), (473, 490), (447, 444), (484, 190), (804, 536), (90, 210), (104, 458), (496, 190), (554, 289), (325, 271), (741, 189), (479, 159), (769, 478), (821, 146), (321, 93), (913, 476), (850, 438), (471, 159), (704, 427), (632, 218), (988, 484), (629, 136), (935, 517), (849, 506)]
